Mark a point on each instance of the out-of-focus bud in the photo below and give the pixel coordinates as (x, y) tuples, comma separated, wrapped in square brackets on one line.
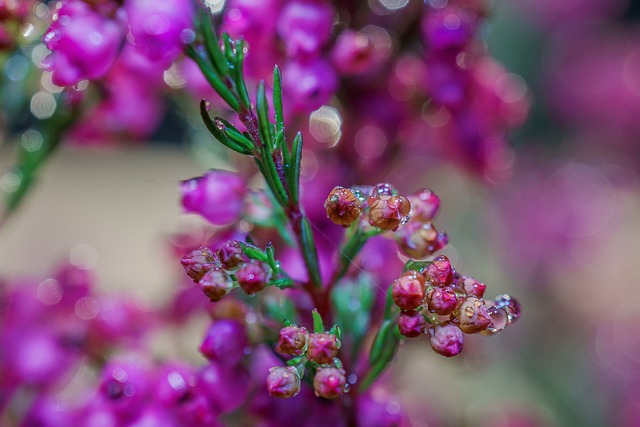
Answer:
[(446, 340), (283, 381), (411, 323), (442, 301), (424, 205), (473, 316), (408, 290), (292, 341), (388, 212), (125, 385), (305, 27), (218, 196), (447, 28), (231, 255), (225, 342), (216, 284), (353, 53), (309, 84), (473, 288), (419, 240), (253, 276), (343, 206), (175, 383), (439, 272), (322, 348), (197, 262), (329, 382)]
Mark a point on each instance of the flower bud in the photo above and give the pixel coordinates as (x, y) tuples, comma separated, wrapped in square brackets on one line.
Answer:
[(292, 341), (253, 276), (419, 240), (343, 206), (473, 316), (446, 340), (305, 27), (283, 381), (440, 272), (329, 382), (218, 196), (442, 301), (197, 262), (387, 212), (408, 290), (216, 284), (225, 342), (231, 255), (309, 84), (411, 323), (322, 348), (424, 205), (473, 288)]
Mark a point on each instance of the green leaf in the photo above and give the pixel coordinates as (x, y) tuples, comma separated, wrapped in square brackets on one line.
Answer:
[(293, 175), (241, 85), (381, 340), (271, 257), (318, 326), (309, 252), (213, 79), (212, 46), (218, 133), (335, 330), (281, 310), (264, 124), (235, 135), (277, 106), (415, 265), (254, 252)]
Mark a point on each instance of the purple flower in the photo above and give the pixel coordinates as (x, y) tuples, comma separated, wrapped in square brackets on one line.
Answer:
[(473, 288), (231, 255), (216, 284), (292, 340), (305, 27), (440, 272), (446, 340), (353, 53), (309, 85), (408, 290), (218, 196), (226, 387), (283, 381), (411, 323), (329, 382), (322, 347), (253, 277), (83, 44), (424, 205), (197, 262), (125, 386), (448, 28), (161, 28), (225, 342), (442, 301)]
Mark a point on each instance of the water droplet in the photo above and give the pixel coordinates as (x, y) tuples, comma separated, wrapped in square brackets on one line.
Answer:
[(347, 388), (187, 36), (353, 378), (511, 305), (499, 320), (405, 219)]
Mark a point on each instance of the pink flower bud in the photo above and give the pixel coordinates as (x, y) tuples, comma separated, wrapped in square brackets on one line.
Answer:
[(216, 284), (447, 28), (253, 276), (440, 272), (329, 382), (424, 205), (309, 84), (411, 323), (419, 240), (408, 290), (322, 348), (218, 196), (305, 27), (197, 262), (447, 340), (225, 342), (283, 381), (473, 316), (231, 255), (442, 301), (353, 53), (343, 206), (388, 212), (473, 288), (292, 341)]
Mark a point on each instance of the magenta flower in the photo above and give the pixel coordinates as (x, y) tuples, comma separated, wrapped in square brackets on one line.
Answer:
[(283, 381), (353, 53), (216, 284), (83, 44), (305, 27), (197, 262), (322, 348), (292, 340), (253, 276), (442, 301), (411, 323), (218, 196), (310, 84), (408, 290), (447, 340), (225, 342), (329, 382)]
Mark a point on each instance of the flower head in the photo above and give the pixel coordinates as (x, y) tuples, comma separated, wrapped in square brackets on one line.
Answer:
[(283, 381), (253, 276), (446, 340), (197, 262), (329, 382), (322, 347), (292, 340), (218, 196), (408, 290), (343, 206)]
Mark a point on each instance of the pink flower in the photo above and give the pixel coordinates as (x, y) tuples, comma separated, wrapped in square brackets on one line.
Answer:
[(218, 196), (283, 381), (329, 382), (447, 340), (310, 84), (305, 27)]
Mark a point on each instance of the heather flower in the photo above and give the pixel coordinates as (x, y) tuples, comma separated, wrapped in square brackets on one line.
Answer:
[(309, 84), (446, 340), (473, 316), (253, 276), (442, 301), (226, 387), (472, 287), (353, 53), (175, 383), (329, 382), (161, 28), (322, 348), (408, 290), (225, 342), (388, 212), (411, 323), (216, 284), (419, 240), (218, 196), (292, 340), (425, 205), (83, 44), (343, 206), (447, 28), (283, 381), (125, 385), (231, 255), (197, 262), (440, 272), (305, 27)]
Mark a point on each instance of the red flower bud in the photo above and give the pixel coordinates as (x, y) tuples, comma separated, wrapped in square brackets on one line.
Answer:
[(473, 288), (440, 272), (388, 212), (424, 205), (442, 301), (253, 276), (446, 340), (411, 323), (419, 240), (343, 206), (231, 255), (473, 316), (216, 284), (197, 262), (408, 290), (283, 381), (329, 382), (322, 348), (292, 341)]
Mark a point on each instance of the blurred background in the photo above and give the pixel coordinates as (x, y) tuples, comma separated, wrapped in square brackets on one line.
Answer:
[(560, 230)]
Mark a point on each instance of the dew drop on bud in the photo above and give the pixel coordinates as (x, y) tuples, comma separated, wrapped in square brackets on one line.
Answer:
[(347, 388), (404, 220), (207, 105), (511, 305), (500, 319)]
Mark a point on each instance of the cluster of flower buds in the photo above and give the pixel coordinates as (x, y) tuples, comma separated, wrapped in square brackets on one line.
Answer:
[(420, 238), (438, 301), (217, 273), (316, 350)]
